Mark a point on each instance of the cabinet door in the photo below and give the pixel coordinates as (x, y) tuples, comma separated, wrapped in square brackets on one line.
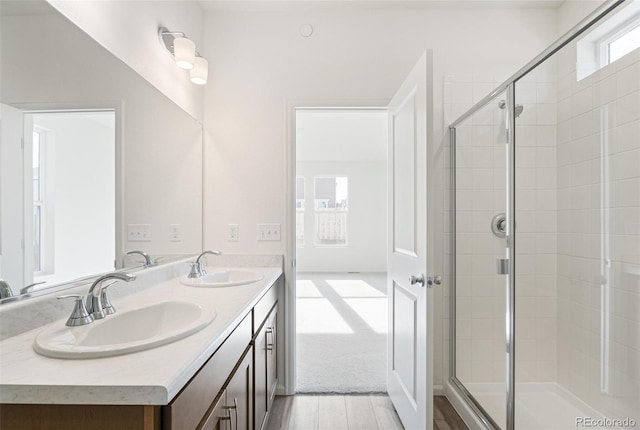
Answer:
[(260, 350), (272, 355), (220, 417), (240, 395)]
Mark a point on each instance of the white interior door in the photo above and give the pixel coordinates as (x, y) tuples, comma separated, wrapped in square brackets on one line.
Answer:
[(410, 355)]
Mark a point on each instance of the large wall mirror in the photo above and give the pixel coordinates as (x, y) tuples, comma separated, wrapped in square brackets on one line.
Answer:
[(94, 160)]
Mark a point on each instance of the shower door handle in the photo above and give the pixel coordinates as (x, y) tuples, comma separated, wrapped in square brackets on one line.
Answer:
[(502, 266)]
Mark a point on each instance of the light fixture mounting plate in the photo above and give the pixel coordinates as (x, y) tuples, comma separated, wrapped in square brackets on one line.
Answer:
[(167, 37)]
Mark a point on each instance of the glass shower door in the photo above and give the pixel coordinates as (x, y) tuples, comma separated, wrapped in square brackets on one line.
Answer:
[(479, 179)]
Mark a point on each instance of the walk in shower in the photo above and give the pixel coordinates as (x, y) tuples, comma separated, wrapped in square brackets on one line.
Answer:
[(545, 223)]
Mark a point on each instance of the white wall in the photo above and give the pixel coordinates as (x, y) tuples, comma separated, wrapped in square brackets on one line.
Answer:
[(262, 63), (352, 55), (129, 30), (366, 219), (81, 148), (571, 12)]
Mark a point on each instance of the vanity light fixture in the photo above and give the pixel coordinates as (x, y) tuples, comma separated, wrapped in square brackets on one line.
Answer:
[(185, 55), (184, 51), (199, 71)]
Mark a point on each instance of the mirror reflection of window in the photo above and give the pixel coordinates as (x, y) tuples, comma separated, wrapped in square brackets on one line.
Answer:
[(72, 222), (300, 201), (38, 203), (331, 197)]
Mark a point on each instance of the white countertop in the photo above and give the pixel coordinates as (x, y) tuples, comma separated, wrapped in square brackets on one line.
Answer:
[(150, 377)]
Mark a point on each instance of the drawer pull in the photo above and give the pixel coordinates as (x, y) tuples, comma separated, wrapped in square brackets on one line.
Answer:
[(234, 407), (269, 345)]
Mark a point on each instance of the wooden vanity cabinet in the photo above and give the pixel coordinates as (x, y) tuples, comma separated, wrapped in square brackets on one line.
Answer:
[(272, 356), (219, 417), (265, 367), (234, 408), (188, 409), (242, 372), (240, 395)]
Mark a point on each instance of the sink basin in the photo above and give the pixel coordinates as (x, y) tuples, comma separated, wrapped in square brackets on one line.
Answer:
[(125, 332), (223, 278)]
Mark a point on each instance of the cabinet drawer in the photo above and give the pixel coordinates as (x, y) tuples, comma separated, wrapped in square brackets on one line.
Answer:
[(188, 408), (218, 416), (262, 308)]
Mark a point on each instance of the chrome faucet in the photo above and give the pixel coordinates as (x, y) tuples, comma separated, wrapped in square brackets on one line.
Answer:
[(98, 305), (147, 259), (5, 289), (197, 268)]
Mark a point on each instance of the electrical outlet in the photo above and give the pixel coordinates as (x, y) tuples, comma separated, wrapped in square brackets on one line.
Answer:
[(139, 232), (269, 232), (175, 232), (233, 233)]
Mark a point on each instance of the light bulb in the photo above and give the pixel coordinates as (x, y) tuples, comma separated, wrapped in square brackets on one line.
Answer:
[(200, 71), (184, 50)]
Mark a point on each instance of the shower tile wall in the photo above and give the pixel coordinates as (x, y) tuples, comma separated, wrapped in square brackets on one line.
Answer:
[(598, 294), (536, 226), (481, 180)]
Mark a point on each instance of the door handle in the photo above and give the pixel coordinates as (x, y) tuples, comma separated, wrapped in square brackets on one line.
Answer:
[(413, 280), (431, 280)]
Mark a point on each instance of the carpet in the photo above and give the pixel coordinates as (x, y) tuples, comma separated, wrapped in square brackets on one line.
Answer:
[(341, 332)]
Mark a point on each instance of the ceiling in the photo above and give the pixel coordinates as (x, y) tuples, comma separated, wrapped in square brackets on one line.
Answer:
[(341, 135), (378, 4)]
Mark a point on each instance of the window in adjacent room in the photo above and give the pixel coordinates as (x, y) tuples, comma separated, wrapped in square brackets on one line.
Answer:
[(300, 202), (330, 201)]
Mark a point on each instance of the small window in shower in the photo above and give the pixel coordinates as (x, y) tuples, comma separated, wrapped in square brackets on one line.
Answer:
[(618, 35), (621, 43)]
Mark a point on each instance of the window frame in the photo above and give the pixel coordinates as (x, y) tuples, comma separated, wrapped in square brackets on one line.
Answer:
[(301, 210), (317, 211), (604, 43), (45, 203)]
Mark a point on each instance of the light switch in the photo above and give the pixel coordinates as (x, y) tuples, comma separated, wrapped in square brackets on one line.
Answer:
[(268, 232), (139, 232)]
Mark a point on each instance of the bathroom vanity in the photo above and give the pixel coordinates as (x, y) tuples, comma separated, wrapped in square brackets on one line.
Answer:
[(221, 377)]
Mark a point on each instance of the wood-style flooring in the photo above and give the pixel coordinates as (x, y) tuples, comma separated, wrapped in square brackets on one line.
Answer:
[(350, 412)]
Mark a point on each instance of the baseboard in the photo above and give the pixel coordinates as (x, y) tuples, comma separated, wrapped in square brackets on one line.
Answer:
[(438, 390)]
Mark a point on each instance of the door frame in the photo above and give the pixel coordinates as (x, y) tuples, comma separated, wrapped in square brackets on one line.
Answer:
[(287, 366)]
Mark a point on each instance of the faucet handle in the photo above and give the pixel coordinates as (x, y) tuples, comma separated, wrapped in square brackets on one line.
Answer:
[(196, 269), (79, 315), (107, 307), (29, 287)]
